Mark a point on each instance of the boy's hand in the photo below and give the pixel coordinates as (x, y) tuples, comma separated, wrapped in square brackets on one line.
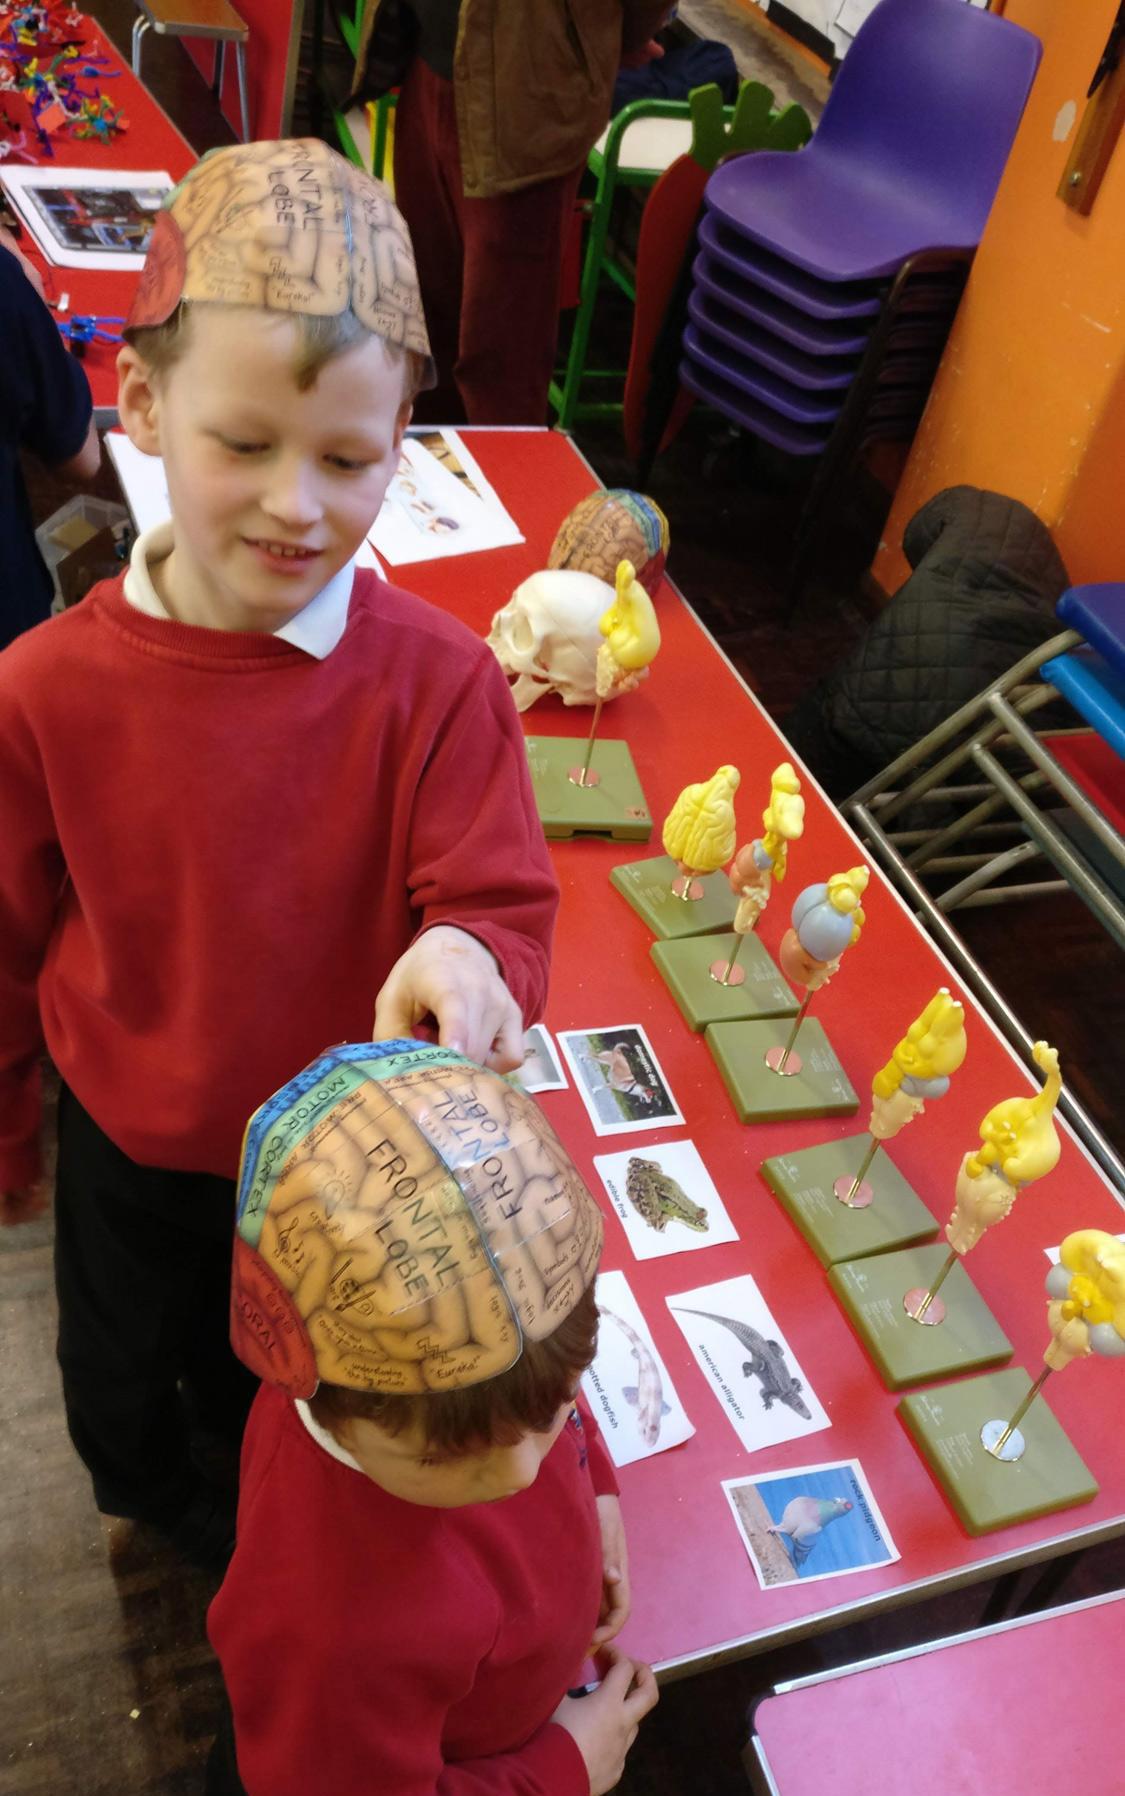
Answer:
[(615, 1574), (25, 1204), (639, 59), (451, 976), (604, 1725)]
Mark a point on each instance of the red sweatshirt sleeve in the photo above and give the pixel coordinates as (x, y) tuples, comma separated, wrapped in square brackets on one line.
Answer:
[(478, 859), (31, 876)]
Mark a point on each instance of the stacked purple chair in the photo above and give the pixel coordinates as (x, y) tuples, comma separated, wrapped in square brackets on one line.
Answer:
[(827, 279)]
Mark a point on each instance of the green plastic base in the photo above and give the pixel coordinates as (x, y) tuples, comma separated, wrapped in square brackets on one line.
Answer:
[(685, 967), (647, 886), (895, 1217), (821, 1088), (987, 1493), (615, 807), (908, 1352)]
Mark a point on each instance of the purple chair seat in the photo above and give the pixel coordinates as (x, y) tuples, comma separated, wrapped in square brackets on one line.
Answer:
[(908, 155), (758, 384), (820, 299), (761, 419), (818, 373), (814, 336)]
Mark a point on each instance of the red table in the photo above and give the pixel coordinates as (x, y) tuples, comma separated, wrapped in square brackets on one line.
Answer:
[(696, 1598), (1031, 1706), (151, 142)]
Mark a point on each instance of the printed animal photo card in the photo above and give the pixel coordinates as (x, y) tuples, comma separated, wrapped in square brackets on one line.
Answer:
[(748, 1363), (619, 1080), (665, 1199), (815, 1522), (627, 1387), (540, 1070)]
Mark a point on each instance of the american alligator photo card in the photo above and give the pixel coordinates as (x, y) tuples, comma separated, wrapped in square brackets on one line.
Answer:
[(618, 1078), (748, 1363), (627, 1387), (814, 1522), (665, 1199), (541, 1070)]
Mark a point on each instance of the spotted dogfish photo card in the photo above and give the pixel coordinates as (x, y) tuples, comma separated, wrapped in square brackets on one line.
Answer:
[(628, 1387), (748, 1363)]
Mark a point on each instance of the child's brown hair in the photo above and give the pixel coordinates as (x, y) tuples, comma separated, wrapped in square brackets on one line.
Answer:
[(523, 1400), (319, 339)]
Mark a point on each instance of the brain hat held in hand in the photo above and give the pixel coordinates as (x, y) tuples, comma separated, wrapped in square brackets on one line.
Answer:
[(406, 1220), (290, 227)]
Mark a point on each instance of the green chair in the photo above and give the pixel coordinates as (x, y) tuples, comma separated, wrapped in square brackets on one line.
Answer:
[(636, 148)]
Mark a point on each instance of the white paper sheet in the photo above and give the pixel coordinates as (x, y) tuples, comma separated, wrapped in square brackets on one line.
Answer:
[(75, 234), (628, 1387)]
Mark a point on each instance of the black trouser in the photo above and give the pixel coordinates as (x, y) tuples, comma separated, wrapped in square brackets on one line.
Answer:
[(222, 1765), (142, 1271)]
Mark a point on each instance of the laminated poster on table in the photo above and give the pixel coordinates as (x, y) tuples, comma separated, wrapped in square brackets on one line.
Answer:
[(628, 1387)]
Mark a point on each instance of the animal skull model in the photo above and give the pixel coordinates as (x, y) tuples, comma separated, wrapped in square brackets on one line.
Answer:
[(546, 638)]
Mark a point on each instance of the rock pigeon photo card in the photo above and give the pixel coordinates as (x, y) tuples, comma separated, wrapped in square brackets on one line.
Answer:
[(619, 1080), (665, 1199), (815, 1522), (748, 1363), (627, 1387)]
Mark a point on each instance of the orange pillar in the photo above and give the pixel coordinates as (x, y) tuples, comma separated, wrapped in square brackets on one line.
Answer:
[(1030, 396)]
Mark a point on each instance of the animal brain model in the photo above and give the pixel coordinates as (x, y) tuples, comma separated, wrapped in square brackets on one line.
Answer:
[(699, 830), (1019, 1143), (612, 526), (826, 920), (919, 1069), (631, 635), (406, 1220), (763, 861), (1085, 1314)]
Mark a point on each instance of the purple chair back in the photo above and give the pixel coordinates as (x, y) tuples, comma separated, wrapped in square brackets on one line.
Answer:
[(933, 90)]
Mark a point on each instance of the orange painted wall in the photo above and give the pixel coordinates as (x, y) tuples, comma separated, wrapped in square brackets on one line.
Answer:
[(1030, 396)]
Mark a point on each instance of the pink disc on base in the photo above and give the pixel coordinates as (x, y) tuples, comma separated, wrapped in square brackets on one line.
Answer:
[(591, 777), (718, 972), (793, 1062), (935, 1309), (857, 1199), (689, 890)]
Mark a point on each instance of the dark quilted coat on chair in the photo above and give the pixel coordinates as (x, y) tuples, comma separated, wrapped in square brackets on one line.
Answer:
[(986, 579)]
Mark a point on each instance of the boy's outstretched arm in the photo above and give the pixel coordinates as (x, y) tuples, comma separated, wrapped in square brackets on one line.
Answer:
[(481, 883)]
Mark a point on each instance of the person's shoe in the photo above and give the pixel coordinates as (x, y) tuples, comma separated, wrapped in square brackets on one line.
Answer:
[(203, 1532)]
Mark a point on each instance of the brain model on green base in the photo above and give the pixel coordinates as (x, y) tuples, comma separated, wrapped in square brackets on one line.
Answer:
[(405, 1220)]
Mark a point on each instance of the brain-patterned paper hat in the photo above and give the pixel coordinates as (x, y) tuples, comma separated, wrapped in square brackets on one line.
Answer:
[(289, 226), (406, 1220)]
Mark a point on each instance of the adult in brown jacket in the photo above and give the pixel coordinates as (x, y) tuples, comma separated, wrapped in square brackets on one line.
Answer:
[(499, 103)]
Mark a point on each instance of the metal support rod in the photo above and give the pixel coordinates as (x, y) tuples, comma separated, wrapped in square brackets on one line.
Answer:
[(797, 1021), (734, 954), (945, 732), (936, 1286), (986, 875), (997, 1447), (972, 819), (590, 740), (1037, 888), (1102, 902), (859, 1177), (975, 978), (1092, 817)]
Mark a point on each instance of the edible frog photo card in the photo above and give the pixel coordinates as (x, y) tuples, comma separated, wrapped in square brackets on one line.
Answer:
[(748, 1363), (666, 1199), (628, 1387)]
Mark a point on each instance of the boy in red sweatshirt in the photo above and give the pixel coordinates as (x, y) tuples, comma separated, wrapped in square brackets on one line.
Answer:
[(429, 1542), (247, 791)]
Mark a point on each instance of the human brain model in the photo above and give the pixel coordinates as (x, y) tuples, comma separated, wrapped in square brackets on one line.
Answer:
[(609, 527), (405, 1220)]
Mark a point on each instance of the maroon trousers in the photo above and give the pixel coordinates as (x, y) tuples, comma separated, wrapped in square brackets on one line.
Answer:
[(488, 268)]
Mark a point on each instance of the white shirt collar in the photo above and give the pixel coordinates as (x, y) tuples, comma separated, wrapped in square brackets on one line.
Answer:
[(316, 628), (322, 1437)]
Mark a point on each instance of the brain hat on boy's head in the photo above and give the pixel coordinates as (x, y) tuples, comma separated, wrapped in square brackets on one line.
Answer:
[(406, 1220), (290, 227)]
